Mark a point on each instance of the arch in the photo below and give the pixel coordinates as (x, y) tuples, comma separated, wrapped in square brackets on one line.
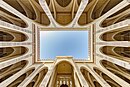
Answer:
[(119, 16), (117, 35), (19, 5), (119, 71), (122, 53), (9, 71), (41, 16), (108, 36), (63, 11), (123, 36), (12, 52), (86, 16), (10, 35), (11, 18), (110, 5), (5, 19), (64, 67), (34, 11), (64, 85), (95, 9), (5, 36), (38, 78), (92, 82), (6, 51), (63, 61), (110, 81), (63, 3), (21, 78), (64, 74)]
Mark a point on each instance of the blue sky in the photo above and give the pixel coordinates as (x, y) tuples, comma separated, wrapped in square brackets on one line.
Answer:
[(63, 43)]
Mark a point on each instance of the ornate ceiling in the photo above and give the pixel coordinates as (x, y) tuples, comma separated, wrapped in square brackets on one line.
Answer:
[(109, 25)]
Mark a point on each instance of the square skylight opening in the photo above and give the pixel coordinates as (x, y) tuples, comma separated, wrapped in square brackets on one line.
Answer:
[(64, 43)]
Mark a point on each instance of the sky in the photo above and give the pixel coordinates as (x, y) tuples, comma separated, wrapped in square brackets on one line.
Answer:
[(63, 43)]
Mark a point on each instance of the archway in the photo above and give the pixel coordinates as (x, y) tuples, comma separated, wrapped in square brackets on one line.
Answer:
[(64, 85), (64, 75)]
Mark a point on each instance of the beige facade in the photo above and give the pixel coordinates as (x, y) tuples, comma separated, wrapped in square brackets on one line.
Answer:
[(108, 22)]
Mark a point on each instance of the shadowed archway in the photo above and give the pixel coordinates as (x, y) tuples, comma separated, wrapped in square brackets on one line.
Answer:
[(64, 85)]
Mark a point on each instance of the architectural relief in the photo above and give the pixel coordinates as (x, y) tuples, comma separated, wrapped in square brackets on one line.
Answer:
[(108, 23)]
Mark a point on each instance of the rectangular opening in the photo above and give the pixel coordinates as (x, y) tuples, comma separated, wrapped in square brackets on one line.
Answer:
[(64, 43)]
